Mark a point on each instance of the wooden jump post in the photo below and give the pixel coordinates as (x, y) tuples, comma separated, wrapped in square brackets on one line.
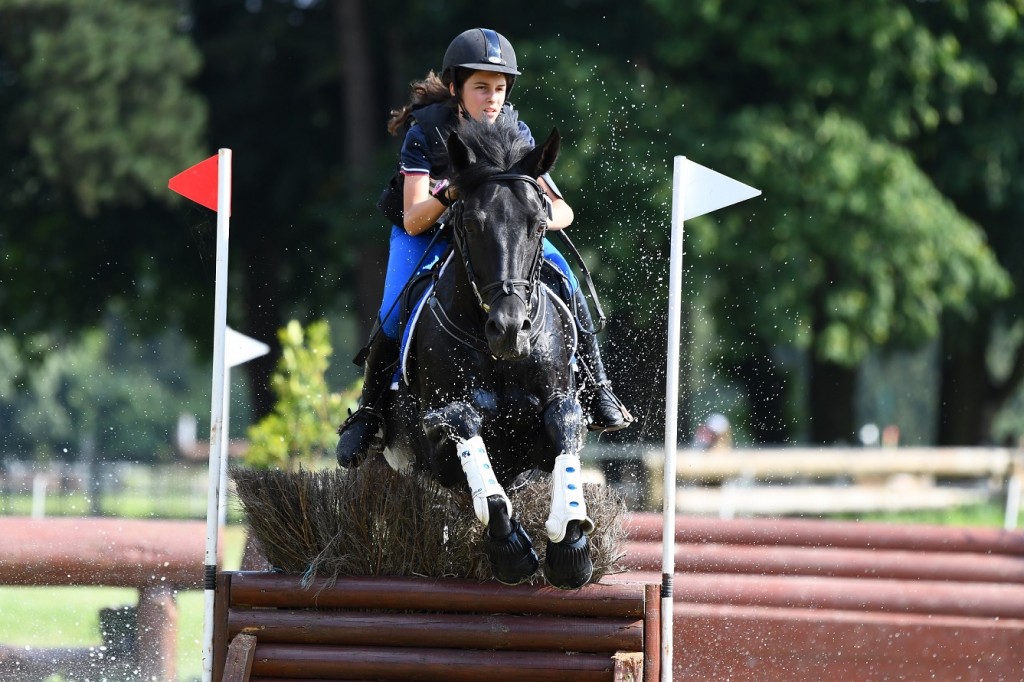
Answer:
[(269, 627), (156, 557)]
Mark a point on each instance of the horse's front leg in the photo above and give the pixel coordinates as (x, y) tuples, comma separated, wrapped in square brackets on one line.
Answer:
[(509, 547), (568, 564)]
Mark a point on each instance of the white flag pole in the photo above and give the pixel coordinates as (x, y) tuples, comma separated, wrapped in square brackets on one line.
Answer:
[(220, 309), (225, 448), (696, 190), (668, 531)]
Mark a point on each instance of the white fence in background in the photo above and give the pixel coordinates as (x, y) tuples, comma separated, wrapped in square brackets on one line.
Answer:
[(802, 480), (118, 489), (736, 482)]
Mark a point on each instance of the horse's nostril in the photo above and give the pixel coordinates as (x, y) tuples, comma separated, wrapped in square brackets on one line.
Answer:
[(526, 324), (491, 329)]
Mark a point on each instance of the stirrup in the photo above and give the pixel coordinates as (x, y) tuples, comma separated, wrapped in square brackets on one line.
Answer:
[(602, 391), (360, 412), (371, 421)]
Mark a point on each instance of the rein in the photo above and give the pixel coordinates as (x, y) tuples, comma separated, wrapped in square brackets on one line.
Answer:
[(532, 297)]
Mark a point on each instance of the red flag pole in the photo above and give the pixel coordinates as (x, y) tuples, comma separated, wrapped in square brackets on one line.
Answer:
[(217, 423), (209, 183)]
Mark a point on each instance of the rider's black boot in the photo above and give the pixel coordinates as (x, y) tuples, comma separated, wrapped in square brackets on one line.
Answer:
[(356, 434), (604, 410)]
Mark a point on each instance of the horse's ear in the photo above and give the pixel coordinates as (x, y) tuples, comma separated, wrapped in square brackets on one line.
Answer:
[(541, 158), (459, 155)]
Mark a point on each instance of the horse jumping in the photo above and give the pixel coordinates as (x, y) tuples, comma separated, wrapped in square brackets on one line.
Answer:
[(490, 389)]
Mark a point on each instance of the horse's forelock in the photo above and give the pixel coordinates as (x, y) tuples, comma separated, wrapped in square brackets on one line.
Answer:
[(497, 146)]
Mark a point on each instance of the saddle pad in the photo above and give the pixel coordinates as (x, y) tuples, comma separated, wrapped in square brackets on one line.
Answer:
[(401, 372)]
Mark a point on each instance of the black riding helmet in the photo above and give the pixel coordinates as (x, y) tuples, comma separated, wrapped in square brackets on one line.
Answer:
[(480, 49)]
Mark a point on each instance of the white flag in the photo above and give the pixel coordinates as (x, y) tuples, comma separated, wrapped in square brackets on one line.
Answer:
[(705, 190), (240, 349)]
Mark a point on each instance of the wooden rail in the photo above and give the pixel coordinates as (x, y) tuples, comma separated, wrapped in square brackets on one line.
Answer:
[(802, 600), (155, 557), (421, 629)]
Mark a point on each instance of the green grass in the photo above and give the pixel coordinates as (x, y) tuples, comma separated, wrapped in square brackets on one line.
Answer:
[(122, 505), (988, 515), (53, 617)]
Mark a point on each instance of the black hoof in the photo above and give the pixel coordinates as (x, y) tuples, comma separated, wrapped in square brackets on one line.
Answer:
[(512, 558), (568, 565)]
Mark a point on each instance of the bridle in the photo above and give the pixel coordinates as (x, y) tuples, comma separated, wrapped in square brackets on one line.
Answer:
[(506, 287), (536, 304)]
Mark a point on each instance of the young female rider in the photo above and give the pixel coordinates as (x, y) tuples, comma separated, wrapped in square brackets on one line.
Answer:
[(478, 71)]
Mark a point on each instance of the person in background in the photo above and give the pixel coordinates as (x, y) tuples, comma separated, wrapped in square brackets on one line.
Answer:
[(714, 434)]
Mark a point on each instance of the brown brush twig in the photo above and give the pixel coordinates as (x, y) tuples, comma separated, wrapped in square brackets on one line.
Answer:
[(377, 521)]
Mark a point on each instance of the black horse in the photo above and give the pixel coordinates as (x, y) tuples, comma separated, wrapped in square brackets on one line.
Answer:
[(489, 390)]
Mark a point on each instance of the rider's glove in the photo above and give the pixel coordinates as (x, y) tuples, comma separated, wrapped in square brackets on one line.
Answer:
[(440, 192)]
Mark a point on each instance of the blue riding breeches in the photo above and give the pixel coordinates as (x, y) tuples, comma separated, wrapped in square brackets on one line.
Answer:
[(407, 250)]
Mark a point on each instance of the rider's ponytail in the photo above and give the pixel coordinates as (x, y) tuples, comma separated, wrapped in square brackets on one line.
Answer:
[(421, 93)]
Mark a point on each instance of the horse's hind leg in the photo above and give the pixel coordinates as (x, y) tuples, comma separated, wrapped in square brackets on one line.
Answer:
[(568, 564), (509, 547)]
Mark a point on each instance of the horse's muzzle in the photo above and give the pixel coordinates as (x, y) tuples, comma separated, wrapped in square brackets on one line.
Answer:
[(508, 329)]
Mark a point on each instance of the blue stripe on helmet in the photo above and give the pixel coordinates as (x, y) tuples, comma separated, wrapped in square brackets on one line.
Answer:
[(492, 47)]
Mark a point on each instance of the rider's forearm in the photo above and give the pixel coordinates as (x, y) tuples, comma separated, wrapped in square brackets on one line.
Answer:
[(561, 215), (422, 215)]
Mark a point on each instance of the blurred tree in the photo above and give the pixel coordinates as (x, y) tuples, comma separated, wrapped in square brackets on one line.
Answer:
[(272, 79), (95, 116), (976, 158), (814, 101), (60, 399), (811, 101), (860, 252), (871, 64)]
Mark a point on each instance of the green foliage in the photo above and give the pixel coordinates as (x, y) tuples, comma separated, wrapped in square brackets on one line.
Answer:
[(852, 247), (883, 134), (96, 114), (303, 425), (103, 111), (100, 391)]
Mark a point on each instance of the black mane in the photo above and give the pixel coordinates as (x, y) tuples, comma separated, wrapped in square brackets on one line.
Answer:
[(497, 148)]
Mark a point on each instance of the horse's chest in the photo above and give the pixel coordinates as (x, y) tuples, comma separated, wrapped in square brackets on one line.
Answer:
[(494, 388)]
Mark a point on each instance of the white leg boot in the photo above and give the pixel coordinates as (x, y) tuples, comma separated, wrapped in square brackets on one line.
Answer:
[(567, 503), (480, 477)]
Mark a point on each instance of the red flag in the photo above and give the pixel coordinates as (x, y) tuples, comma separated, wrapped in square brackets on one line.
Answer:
[(198, 183)]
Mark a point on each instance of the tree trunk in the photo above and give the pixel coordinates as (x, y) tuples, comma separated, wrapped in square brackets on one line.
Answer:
[(966, 405), (357, 87), (766, 391), (262, 305), (357, 98), (831, 409)]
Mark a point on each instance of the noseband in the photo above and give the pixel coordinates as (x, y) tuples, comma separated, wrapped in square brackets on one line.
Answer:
[(506, 287)]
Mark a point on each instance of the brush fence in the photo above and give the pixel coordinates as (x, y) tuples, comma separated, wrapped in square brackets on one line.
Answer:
[(269, 627), (795, 600)]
